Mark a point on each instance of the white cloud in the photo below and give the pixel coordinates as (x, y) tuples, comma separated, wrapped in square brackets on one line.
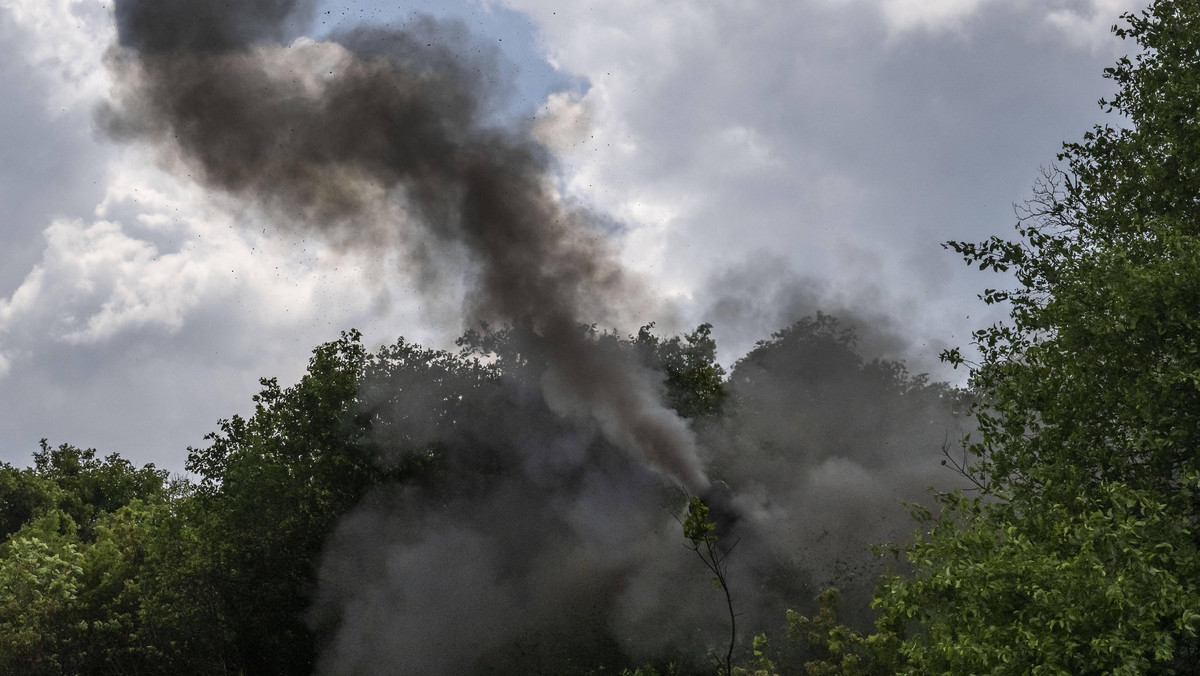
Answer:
[(95, 281), (64, 42), (1087, 23), (563, 122), (931, 15), (738, 149), (159, 251), (136, 329), (850, 136)]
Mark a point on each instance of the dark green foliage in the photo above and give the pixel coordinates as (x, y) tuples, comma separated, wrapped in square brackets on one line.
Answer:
[(22, 495), (75, 481), (211, 578), (40, 571), (271, 488), (1102, 583), (1099, 358), (695, 381)]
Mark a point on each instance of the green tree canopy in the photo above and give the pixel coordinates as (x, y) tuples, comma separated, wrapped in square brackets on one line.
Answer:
[(75, 481), (1081, 554)]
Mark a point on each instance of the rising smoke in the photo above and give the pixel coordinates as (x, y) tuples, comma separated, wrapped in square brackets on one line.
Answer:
[(378, 139), (554, 541)]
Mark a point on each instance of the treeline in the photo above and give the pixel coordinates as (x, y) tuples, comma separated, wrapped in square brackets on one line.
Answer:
[(107, 568)]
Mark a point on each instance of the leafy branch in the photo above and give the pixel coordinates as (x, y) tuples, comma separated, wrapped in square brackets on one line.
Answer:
[(701, 533)]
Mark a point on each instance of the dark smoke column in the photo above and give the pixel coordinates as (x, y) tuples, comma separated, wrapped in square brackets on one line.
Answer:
[(377, 139)]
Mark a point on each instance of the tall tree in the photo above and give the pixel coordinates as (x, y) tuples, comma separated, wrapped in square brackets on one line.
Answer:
[(271, 489), (1080, 553)]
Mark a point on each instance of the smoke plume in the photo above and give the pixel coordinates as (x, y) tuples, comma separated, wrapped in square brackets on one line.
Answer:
[(378, 138), (551, 537)]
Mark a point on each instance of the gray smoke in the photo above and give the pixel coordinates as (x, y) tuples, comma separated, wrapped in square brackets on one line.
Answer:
[(825, 445), (748, 299), (539, 544), (536, 541), (550, 537), (207, 25), (379, 139)]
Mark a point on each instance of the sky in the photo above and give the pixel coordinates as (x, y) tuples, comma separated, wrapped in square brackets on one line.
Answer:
[(753, 160)]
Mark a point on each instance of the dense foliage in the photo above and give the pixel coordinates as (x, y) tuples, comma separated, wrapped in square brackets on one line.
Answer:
[(1080, 553)]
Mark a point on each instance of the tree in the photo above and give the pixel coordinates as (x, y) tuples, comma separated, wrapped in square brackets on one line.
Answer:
[(109, 568), (1102, 583), (23, 495), (836, 650), (1080, 554), (71, 563), (702, 536), (695, 381), (271, 489), (75, 481), (40, 571)]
